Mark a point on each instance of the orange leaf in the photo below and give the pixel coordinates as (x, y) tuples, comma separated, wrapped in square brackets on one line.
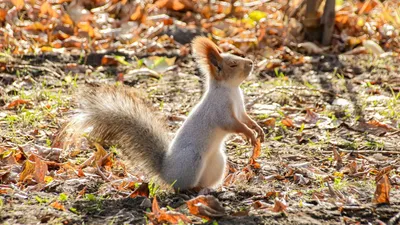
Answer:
[(255, 155), (86, 27), (108, 60), (29, 168), (58, 206), (379, 124), (270, 122), (80, 173), (138, 14), (287, 122), (34, 167), (17, 102), (47, 9), (3, 14), (176, 5), (279, 205), (99, 154), (19, 4), (382, 191), (206, 207), (40, 170), (82, 192), (36, 26), (366, 6), (142, 190), (65, 19), (158, 215), (259, 205)]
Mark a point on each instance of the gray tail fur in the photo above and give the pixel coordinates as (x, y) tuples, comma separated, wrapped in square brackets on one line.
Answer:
[(117, 116)]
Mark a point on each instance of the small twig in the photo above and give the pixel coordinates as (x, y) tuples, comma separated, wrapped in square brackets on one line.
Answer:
[(393, 133), (102, 174), (87, 162), (103, 160), (36, 68)]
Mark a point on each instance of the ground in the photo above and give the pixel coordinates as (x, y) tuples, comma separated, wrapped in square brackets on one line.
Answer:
[(297, 162), (330, 113)]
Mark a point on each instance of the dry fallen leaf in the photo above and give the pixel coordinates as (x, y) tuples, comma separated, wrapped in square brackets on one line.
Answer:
[(142, 190), (34, 168), (3, 14), (47, 9), (287, 122), (176, 5), (159, 216), (57, 205), (99, 154), (280, 205), (17, 103), (109, 60), (19, 4), (270, 122), (255, 155), (382, 191), (379, 124), (311, 117), (259, 205), (206, 207)]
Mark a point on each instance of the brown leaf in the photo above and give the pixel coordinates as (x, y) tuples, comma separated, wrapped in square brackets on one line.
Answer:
[(270, 122), (379, 124), (255, 155), (99, 154), (29, 169), (386, 170), (176, 5), (3, 14), (138, 14), (382, 191), (311, 117), (17, 102), (58, 206), (365, 6), (337, 158), (34, 168), (86, 27), (47, 9), (280, 205), (108, 60), (259, 205), (158, 215), (82, 192), (142, 190), (65, 19), (287, 122), (19, 4), (206, 207)]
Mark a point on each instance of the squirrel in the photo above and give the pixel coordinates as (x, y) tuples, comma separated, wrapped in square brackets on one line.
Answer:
[(195, 159)]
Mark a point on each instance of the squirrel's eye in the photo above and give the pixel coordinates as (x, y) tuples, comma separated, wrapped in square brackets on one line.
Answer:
[(233, 65)]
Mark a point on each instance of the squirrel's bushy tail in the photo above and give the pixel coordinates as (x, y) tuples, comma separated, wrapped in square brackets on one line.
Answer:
[(117, 116)]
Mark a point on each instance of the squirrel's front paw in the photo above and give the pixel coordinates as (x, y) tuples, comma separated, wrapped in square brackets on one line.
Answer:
[(260, 133), (252, 139)]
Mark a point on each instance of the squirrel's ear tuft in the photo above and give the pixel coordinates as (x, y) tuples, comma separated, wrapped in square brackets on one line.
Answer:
[(208, 55)]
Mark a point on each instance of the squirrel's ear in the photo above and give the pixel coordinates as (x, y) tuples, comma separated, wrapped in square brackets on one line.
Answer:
[(208, 55)]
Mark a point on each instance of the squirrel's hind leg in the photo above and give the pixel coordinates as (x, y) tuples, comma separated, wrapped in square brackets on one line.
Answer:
[(213, 171)]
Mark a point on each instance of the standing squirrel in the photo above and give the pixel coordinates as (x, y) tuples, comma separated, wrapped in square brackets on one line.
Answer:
[(196, 157)]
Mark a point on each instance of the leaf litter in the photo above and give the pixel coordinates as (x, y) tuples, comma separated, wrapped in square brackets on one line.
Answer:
[(322, 160)]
